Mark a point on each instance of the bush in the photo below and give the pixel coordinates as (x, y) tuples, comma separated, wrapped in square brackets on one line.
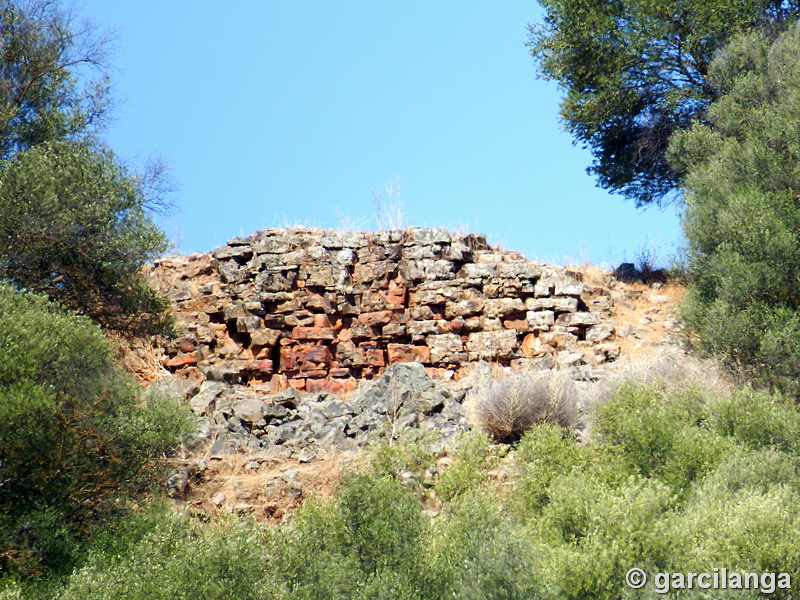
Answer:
[(163, 555), (73, 434), (741, 218), (661, 433), (367, 542), (506, 408)]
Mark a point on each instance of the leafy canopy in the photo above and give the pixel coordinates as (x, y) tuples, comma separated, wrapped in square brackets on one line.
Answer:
[(635, 72), (74, 221), (741, 171), (40, 65)]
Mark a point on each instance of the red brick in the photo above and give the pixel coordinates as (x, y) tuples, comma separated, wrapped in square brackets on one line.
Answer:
[(181, 360), (375, 358), (304, 356), (370, 319), (408, 353), (322, 321), (313, 373), (298, 384), (332, 386), (395, 298), (313, 333), (262, 366), (186, 345), (518, 324)]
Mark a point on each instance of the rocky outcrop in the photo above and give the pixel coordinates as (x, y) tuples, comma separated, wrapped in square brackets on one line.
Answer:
[(294, 343), (319, 310)]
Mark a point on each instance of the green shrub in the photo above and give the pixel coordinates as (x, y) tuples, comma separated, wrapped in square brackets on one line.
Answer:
[(476, 552), (163, 555), (73, 434), (741, 217), (545, 451), (661, 434), (468, 470), (757, 420), (366, 542)]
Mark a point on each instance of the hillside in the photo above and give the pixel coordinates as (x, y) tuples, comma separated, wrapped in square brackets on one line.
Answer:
[(299, 346)]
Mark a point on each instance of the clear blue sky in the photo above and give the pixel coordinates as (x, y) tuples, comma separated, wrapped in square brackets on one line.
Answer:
[(274, 113)]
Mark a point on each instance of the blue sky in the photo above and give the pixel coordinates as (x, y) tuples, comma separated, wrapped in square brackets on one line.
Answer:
[(274, 113)]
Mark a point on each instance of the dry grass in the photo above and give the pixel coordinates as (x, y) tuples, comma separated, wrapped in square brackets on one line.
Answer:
[(508, 407), (269, 489), (143, 358)]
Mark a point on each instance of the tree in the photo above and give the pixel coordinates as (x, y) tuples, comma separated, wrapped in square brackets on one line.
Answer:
[(75, 223), (635, 72), (73, 432), (40, 65), (741, 172)]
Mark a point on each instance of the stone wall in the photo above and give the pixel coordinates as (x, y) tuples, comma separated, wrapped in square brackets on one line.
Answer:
[(319, 310)]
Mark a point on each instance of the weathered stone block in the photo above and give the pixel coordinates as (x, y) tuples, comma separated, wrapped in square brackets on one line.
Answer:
[(304, 357), (275, 280), (420, 329), (464, 308), (248, 324), (580, 319), (444, 347), (242, 253), (181, 360), (420, 236), (318, 275), (348, 355), (555, 304), (533, 346), (375, 357), (491, 344), (599, 333), (301, 318), (367, 272), (372, 319), (519, 324), (568, 287), (393, 330), (503, 307), (474, 273), (540, 319), (265, 337), (408, 353), (287, 307), (313, 333), (334, 240)]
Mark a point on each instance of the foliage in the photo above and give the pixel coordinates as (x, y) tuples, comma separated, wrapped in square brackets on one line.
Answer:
[(163, 555), (74, 222), (741, 219), (696, 485), (73, 225), (661, 434), (43, 55), (366, 543), (635, 72), (73, 436)]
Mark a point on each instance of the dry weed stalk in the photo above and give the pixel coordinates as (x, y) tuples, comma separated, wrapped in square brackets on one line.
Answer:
[(505, 409)]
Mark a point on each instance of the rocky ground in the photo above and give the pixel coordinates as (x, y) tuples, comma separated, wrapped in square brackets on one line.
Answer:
[(270, 435)]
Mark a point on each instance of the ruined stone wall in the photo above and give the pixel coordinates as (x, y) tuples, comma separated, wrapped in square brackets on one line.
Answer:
[(318, 310)]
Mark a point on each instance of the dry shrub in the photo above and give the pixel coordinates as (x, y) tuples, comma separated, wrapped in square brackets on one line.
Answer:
[(673, 369), (506, 408)]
